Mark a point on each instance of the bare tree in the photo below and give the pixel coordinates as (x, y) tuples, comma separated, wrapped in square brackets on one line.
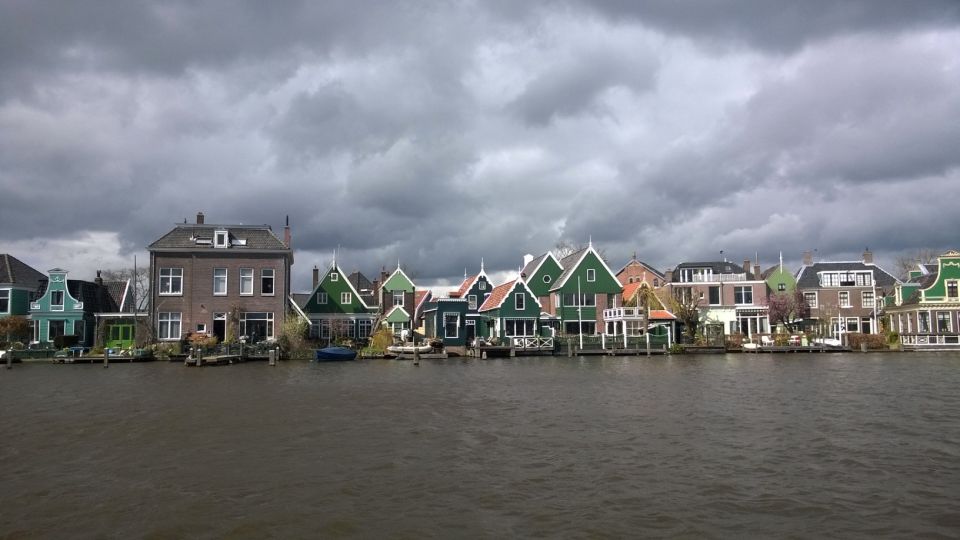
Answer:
[(684, 302), (564, 248), (788, 309), (905, 264), (139, 281)]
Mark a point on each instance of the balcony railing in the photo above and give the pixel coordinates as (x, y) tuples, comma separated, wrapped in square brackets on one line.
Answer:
[(714, 278), (623, 314)]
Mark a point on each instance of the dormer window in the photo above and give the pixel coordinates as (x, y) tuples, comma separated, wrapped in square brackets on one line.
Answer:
[(220, 239), (591, 275)]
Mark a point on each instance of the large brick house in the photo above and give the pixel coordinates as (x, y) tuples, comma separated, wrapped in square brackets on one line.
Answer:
[(728, 295), (231, 281)]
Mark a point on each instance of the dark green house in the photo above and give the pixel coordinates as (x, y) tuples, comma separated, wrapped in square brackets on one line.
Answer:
[(19, 285), (475, 290), (336, 310), (512, 311), (87, 310), (586, 287), (445, 320)]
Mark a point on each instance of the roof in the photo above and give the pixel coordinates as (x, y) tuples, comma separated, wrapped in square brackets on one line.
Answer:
[(200, 237), (572, 261), (717, 267), (363, 287), (923, 282), (531, 267), (634, 260), (807, 276), (420, 300), (661, 314), (97, 298), (301, 299), (770, 271), (16, 272), (496, 297)]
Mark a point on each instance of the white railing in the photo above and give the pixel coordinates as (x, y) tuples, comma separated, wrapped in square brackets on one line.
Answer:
[(929, 340), (537, 343), (713, 278), (623, 313)]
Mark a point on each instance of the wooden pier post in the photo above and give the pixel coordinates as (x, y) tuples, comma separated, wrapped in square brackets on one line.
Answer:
[(272, 357), (9, 356), (106, 358)]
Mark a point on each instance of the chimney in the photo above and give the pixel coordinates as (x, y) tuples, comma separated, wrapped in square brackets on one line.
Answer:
[(756, 271), (808, 258), (867, 256), (199, 218), (527, 258), (286, 233), (316, 276), (746, 267), (98, 280)]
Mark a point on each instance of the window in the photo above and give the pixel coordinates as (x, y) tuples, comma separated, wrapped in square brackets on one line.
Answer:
[(168, 325), (943, 322), (246, 281), (363, 328), (451, 325), (266, 281), (5, 301), (574, 327), (656, 282), (221, 239), (867, 299), (591, 275), (334, 276), (743, 295), (923, 322), (810, 298), (519, 301), (547, 279), (346, 298), (321, 298), (201, 328), (587, 300), (56, 300), (256, 325), (952, 289), (472, 302), (690, 275), (844, 298), (483, 285), (518, 328), (56, 328), (171, 281), (853, 324), (781, 287), (714, 295), (398, 298), (219, 281)]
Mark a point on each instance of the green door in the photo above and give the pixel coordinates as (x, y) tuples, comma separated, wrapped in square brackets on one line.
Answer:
[(119, 336)]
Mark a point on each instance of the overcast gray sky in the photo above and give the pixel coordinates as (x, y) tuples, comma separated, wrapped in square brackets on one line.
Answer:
[(442, 132)]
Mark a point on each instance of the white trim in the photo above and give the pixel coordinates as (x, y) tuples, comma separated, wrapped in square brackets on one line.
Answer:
[(326, 298), (298, 309), (273, 278), (444, 320), (593, 272), (252, 276), (9, 299), (336, 270), (519, 298), (170, 277), (226, 280), (559, 284), (404, 274), (543, 259), (217, 237), (346, 298)]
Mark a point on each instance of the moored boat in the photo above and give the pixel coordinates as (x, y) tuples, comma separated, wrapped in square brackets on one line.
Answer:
[(409, 348), (330, 354)]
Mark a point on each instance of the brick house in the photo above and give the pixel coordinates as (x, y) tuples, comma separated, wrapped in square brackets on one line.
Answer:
[(230, 281), (727, 295)]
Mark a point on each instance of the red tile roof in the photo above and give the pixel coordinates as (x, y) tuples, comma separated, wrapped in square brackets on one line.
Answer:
[(496, 297), (661, 314), (464, 287)]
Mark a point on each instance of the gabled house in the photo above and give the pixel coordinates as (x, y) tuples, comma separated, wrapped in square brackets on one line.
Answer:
[(512, 311), (925, 310), (779, 279), (445, 320), (422, 299), (474, 289), (70, 307), (398, 301), (727, 295), (19, 285), (637, 271), (844, 296), (583, 290), (230, 281), (539, 273), (335, 309)]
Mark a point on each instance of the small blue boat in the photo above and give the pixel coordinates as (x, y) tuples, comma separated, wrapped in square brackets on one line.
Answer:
[(329, 354)]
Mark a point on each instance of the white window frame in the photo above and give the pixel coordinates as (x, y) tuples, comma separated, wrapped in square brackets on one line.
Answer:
[(322, 298), (221, 279), (456, 327), (547, 278), (472, 302), (63, 300), (170, 276), (398, 295), (867, 299), (742, 289), (949, 319), (268, 274), (956, 289), (591, 275), (201, 328), (6, 295), (519, 301), (334, 276), (246, 278), (515, 322), (346, 298), (482, 285), (815, 303), (221, 238), (843, 299), (364, 328), (165, 325)]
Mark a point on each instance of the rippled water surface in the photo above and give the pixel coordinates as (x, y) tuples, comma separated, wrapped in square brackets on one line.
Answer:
[(801, 446)]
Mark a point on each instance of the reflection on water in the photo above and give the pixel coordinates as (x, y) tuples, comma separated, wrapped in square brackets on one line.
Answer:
[(842, 445)]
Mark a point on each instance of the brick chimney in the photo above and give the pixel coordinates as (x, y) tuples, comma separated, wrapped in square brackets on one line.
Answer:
[(316, 276), (808, 258), (199, 218), (756, 271), (286, 233), (98, 280), (867, 256), (746, 267)]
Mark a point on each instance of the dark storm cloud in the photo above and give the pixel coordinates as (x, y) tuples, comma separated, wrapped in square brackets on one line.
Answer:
[(440, 133)]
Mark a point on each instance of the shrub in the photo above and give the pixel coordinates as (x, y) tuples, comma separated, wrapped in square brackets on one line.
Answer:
[(63, 342), (781, 339), (293, 338)]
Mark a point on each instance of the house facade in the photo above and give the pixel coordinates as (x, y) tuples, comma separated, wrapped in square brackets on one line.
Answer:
[(637, 271), (727, 295), (398, 301), (336, 309), (583, 291), (19, 285), (844, 296), (71, 307), (474, 289), (512, 311), (229, 281), (925, 310), (445, 320)]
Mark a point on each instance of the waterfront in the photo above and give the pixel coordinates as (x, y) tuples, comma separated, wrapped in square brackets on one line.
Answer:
[(804, 445)]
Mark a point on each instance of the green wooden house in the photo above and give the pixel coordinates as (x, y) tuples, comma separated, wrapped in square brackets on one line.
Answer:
[(512, 311), (445, 320), (97, 313), (336, 310), (925, 310), (475, 290), (586, 287), (397, 300), (779, 279), (19, 285)]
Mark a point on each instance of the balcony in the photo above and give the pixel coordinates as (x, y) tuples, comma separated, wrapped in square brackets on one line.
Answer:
[(716, 278), (624, 314)]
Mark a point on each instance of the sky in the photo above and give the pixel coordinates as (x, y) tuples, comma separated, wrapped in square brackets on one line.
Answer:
[(437, 133)]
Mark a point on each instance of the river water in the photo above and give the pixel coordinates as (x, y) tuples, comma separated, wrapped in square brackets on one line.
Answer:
[(761, 446)]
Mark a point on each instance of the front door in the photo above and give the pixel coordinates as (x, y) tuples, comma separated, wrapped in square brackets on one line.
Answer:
[(220, 326), (471, 332), (119, 336)]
